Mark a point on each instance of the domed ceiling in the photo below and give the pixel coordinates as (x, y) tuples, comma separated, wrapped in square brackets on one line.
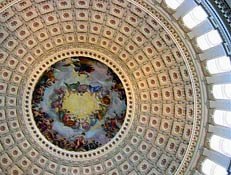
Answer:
[(97, 87)]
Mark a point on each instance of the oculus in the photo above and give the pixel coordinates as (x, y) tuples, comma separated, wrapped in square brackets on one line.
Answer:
[(79, 104)]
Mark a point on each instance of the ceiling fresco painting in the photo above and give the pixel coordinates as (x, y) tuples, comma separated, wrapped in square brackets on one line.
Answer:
[(79, 104)]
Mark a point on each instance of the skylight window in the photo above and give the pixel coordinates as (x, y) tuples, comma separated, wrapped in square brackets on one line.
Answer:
[(221, 145), (209, 40), (211, 168), (174, 4), (222, 118), (219, 65), (194, 17), (222, 91)]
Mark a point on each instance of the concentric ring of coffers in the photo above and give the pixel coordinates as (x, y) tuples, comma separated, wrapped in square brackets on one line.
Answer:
[(158, 69)]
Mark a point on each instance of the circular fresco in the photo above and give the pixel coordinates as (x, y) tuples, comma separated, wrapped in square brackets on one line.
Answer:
[(79, 104)]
